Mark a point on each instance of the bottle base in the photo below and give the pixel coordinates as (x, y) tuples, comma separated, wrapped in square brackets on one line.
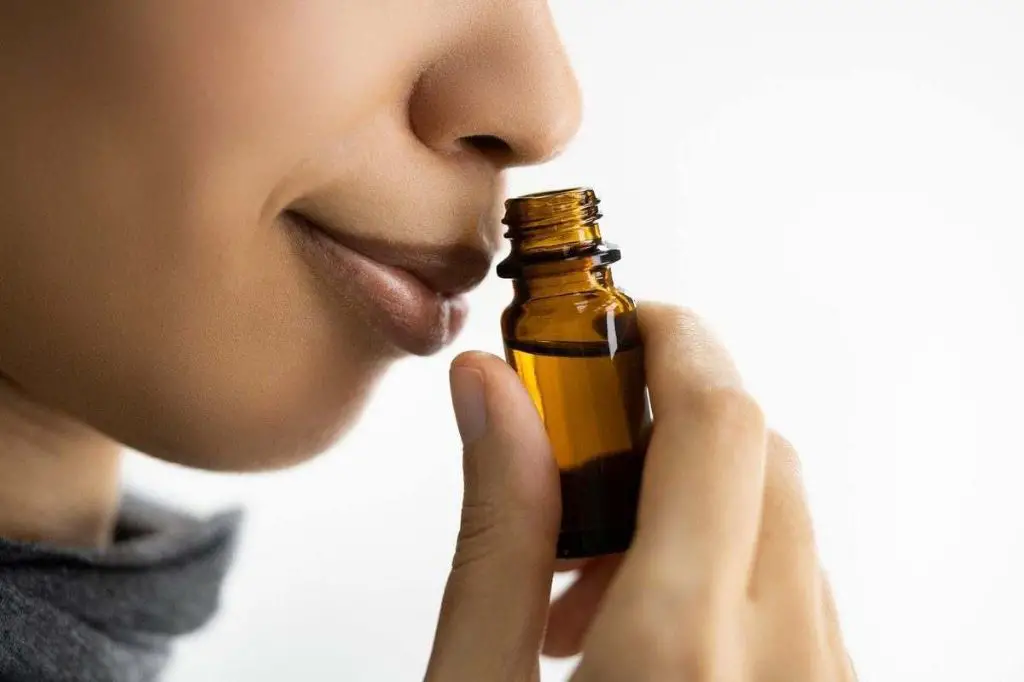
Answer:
[(583, 544), (599, 502)]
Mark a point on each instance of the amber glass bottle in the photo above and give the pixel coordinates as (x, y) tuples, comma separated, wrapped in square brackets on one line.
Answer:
[(572, 337)]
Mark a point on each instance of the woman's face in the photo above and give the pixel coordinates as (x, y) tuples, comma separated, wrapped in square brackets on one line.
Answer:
[(219, 221)]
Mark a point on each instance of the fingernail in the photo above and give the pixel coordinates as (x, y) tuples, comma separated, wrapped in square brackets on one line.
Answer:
[(469, 402)]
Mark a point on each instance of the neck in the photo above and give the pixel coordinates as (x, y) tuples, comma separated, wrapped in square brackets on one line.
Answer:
[(59, 480)]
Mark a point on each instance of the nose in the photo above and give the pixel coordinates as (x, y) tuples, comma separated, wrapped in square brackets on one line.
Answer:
[(504, 89)]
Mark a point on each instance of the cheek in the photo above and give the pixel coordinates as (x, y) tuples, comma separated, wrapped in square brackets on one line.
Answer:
[(220, 368), (153, 294), (223, 359), (251, 360), (261, 88)]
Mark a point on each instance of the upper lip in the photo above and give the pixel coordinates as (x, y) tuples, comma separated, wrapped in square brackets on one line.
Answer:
[(447, 270)]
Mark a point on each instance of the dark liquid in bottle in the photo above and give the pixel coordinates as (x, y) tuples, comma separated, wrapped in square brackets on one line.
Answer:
[(592, 399)]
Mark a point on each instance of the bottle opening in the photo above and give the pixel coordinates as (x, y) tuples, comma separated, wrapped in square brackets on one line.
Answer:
[(552, 209), (551, 227), (556, 192)]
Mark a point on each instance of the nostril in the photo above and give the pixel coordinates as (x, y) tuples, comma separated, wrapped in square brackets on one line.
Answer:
[(492, 147)]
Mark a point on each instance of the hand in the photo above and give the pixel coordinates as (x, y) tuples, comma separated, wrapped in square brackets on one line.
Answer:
[(722, 581)]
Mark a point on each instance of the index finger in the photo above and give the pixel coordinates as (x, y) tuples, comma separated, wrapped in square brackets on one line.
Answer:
[(700, 503)]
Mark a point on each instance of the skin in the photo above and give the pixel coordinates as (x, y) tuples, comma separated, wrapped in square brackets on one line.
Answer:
[(154, 296), (722, 582)]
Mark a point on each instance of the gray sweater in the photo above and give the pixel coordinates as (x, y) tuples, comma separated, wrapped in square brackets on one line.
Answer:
[(79, 615)]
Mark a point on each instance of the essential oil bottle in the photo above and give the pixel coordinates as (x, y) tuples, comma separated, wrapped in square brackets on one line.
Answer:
[(572, 336)]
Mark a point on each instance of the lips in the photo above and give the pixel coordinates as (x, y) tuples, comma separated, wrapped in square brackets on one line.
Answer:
[(411, 292)]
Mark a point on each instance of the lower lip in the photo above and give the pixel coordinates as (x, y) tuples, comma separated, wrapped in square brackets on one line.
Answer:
[(412, 316)]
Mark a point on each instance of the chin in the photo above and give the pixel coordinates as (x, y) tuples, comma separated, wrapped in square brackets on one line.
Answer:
[(267, 447), (256, 442)]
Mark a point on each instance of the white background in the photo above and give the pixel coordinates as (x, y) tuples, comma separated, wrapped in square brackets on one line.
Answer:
[(837, 188)]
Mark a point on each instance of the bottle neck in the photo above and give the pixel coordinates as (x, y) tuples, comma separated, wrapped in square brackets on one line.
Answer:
[(560, 239), (540, 282), (556, 240)]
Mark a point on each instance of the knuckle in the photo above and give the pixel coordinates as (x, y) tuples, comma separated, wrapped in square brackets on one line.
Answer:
[(784, 451), (662, 640), (496, 531), (730, 410), (670, 315), (778, 442), (669, 327), (785, 456), (697, 649), (478, 535), (696, 660), (690, 662)]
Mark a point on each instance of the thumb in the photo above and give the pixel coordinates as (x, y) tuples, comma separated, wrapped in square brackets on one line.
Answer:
[(495, 603)]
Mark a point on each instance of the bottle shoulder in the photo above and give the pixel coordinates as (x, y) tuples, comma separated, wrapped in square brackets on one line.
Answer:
[(577, 317)]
